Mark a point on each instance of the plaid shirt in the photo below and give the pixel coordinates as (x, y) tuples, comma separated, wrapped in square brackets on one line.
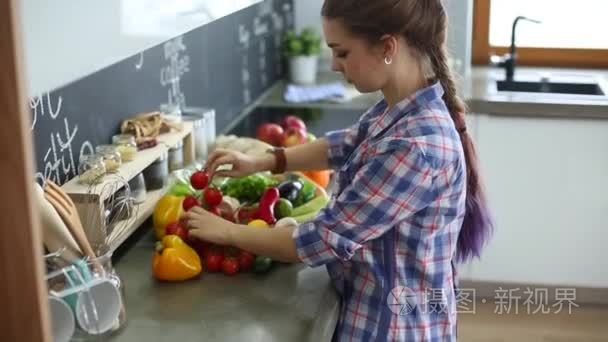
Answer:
[(388, 235)]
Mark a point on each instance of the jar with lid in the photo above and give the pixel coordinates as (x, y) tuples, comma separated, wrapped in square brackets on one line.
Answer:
[(126, 146), (91, 169), (110, 156), (176, 156), (157, 174)]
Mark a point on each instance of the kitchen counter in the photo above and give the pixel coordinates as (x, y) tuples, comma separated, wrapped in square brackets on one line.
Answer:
[(289, 303), (483, 97), (480, 94)]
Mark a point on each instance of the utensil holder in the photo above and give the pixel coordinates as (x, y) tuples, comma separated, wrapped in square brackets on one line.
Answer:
[(93, 290)]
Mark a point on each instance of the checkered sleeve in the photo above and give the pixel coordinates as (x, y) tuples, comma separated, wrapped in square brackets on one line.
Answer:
[(341, 144), (394, 184)]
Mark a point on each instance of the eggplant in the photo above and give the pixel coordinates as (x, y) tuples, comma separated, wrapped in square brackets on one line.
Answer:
[(290, 190)]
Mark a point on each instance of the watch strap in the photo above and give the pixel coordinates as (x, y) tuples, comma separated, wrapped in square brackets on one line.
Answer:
[(280, 160)]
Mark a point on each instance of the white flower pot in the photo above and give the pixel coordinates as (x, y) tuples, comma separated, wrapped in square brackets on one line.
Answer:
[(303, 69)]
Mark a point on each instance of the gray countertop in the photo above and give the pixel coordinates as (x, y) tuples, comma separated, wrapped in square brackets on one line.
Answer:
[(290, 303), (483, 97), (480, 93)]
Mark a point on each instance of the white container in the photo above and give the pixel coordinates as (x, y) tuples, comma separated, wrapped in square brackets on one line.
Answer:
[(303, 69), (98, 309), (62, 319), (176, 156), (203, 120), (209, 123), (199, 135)]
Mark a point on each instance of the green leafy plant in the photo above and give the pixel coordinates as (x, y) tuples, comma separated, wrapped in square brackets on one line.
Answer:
[(307, 43)]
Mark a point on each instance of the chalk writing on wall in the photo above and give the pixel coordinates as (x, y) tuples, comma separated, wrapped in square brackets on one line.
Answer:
[(179, 64), (60, 163), (140, 61), (263, 33)]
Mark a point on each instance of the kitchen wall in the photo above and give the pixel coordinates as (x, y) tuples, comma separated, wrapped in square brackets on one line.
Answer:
[(460, 12), (225, 65)]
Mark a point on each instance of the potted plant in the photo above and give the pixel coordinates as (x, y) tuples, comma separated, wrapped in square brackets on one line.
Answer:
[(302, 52)]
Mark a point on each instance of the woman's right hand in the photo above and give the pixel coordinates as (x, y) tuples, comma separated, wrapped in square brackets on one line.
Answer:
[(242, 164)]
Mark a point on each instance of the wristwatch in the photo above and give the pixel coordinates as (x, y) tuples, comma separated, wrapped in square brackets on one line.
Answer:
[(280, 160)]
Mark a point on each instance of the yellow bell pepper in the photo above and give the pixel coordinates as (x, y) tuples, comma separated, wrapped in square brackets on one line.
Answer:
[(174, 260), (258, 224), (168, 210)]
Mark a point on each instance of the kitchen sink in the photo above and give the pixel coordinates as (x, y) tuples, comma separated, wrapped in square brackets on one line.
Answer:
[(551, 87)]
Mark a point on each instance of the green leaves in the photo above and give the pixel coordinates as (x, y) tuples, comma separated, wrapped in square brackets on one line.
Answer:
[(308, 43)]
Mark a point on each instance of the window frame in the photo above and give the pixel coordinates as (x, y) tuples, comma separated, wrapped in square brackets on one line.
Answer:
[(549, 57)]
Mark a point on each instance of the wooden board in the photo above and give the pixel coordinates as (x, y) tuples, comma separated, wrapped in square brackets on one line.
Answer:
[(131, 169), (24, 315)]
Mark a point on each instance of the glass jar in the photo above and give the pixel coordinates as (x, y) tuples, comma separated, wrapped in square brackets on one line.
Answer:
[(157, 174), (171, 112), (126, 146), (112, 311), (209, 123), (110, 156), (199, 135), (176, 156), (138, 188), (91, 169)]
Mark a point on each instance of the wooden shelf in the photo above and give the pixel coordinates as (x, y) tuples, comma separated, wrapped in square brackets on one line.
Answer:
[(125, 228), (131, 169), (90, 199)]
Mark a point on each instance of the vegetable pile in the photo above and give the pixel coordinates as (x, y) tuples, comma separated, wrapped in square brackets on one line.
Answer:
[(259, 201)]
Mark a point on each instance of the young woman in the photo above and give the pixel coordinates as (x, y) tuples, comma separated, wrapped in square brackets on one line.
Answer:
[(409, 203)]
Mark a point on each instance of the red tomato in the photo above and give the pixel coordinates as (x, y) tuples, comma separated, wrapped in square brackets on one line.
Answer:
[(176, 228), (246, 214), (199, 246), (211, 249), (199, 180), (216, 211), (231, 252), (213, 197), (190, 202), (230, 266), (246, 261), (214, 262)]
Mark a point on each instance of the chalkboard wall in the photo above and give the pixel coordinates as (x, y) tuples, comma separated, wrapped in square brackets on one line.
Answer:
[(223, 65)]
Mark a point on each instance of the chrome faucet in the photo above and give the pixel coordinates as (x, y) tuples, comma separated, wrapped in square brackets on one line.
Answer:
[(508, 61)]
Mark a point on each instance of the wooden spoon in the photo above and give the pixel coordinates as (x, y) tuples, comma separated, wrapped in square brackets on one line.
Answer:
[(55, 234), (67, 210)]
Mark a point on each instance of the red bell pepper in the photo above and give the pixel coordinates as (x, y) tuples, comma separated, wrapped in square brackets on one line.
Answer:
[(266, 207)]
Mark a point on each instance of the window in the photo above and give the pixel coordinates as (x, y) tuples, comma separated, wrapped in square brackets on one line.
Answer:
[(571, 33)]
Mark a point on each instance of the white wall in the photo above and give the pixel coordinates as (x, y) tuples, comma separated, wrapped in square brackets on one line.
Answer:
[(64, 41)]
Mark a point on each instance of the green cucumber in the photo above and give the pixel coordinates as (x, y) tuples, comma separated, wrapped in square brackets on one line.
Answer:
[(306, 217), (314, 205)]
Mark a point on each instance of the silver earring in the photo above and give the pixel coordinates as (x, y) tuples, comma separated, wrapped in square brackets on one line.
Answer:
[(388, 60)]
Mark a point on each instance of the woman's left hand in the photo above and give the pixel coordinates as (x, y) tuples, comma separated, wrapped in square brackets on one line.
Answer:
[(209, 227)]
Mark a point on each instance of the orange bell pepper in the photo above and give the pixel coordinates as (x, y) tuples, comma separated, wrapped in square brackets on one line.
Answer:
[(168, 210), (321, 178), (174, 260)]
